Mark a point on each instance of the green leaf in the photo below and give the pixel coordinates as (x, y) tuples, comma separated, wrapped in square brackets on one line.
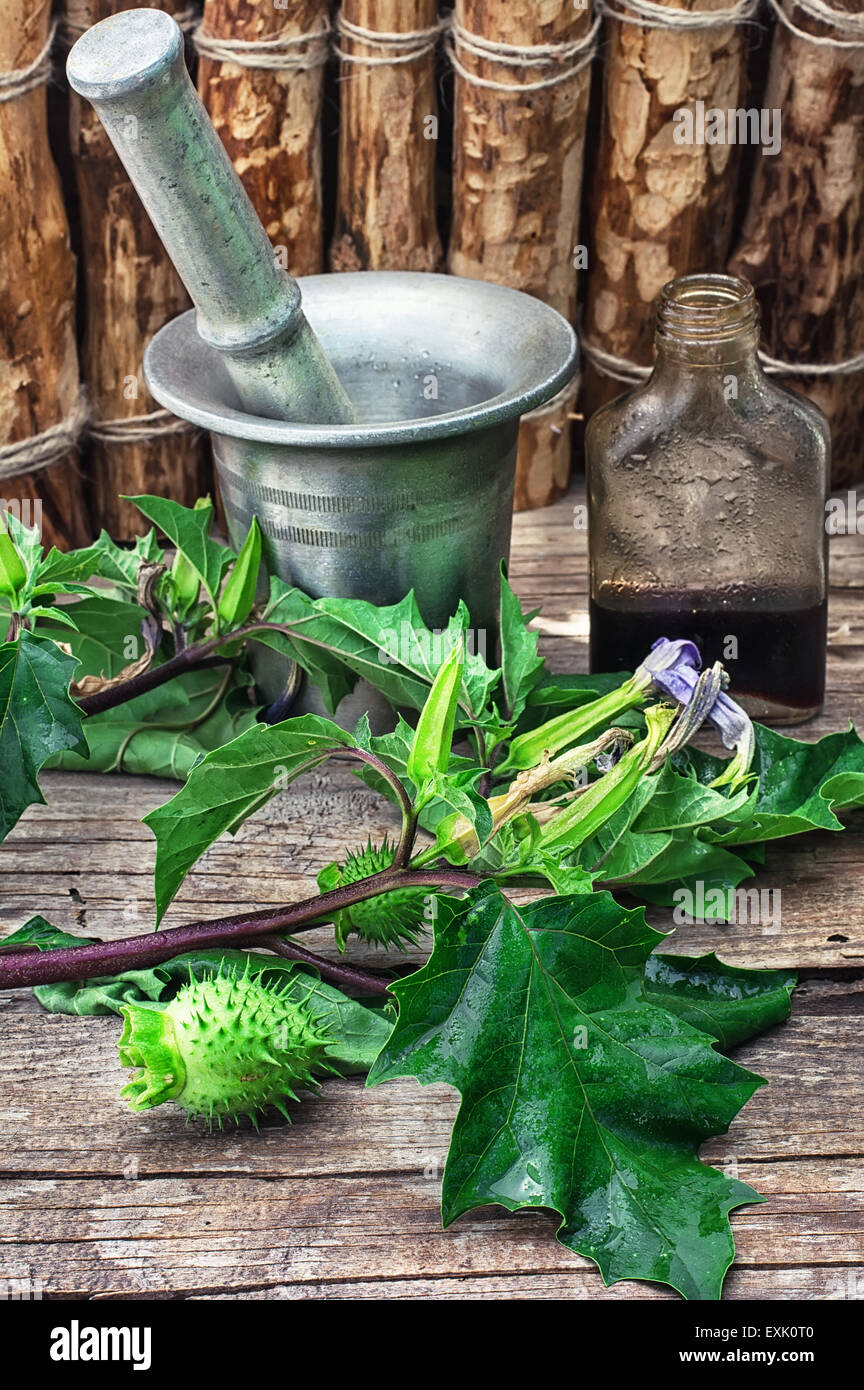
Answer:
[(390, 647), (27, 541), (188, 528), (433, 738), (731, 1004), (553, 691), (520, 664), (38, 931), (315, 648), (51, 590), (67, 567), (237, 598), (396, 652), (108, 636), (457, 791), (655, 837), (164, 732), (37, 718), (681, 801), (13, 575), (578, 1094), (563, 877), (120, 566), (801, 785), (54, 615), (676, 861), (227, 786)]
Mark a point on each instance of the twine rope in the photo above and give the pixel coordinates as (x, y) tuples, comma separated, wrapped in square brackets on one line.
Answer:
[(649, 15), (575, 55), (565, 397), (816, 9), (844, 368), (47, 448), (36, 74), (393, 48), (280, 53), (138, 429), (634, 373), (609, 364)]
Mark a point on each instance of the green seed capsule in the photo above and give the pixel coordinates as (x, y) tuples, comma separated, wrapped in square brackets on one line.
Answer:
[(228, 1045), (393, 919)]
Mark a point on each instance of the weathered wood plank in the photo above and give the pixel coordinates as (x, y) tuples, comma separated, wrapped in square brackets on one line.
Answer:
[(63, 1115), (823, 1283), (131, 1239)]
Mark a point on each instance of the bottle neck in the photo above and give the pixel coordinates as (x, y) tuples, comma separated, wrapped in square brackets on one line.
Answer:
[(705, 323)]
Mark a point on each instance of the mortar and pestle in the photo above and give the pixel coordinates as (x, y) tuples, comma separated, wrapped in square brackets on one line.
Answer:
[(369, 420)]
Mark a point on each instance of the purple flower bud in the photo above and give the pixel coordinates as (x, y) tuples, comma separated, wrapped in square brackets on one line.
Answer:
[(674, 667)]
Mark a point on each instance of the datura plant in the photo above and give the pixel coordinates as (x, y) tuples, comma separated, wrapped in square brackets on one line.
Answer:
[(591, 1064)]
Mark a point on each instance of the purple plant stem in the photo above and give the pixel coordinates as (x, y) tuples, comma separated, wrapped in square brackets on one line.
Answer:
[(148, 680), (23, 968), (333, 970), (190, 659)]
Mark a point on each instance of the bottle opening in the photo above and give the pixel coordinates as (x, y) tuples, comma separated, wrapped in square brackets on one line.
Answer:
[(706, 309)]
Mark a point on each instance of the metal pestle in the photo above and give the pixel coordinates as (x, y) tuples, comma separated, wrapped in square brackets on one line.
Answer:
[(131, 67)]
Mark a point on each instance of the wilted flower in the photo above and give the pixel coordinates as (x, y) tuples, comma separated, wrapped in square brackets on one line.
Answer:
[(674, 667)]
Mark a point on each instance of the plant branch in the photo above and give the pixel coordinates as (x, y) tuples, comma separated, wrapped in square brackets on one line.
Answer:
[(22, 968), (190, 659), (334, 970), (402, 856), (372, 760), (149, 680)]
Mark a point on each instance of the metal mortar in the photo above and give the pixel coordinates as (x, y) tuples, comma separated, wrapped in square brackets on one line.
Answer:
[(419, 492)]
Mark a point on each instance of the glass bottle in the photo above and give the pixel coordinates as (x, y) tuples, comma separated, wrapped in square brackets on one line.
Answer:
[(706, 497)]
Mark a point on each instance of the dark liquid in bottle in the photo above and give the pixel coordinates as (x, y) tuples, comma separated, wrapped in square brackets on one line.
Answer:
[(778, 673)]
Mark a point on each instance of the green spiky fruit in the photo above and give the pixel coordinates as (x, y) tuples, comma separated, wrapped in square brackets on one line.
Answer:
[(394, 919), (227, 1045)]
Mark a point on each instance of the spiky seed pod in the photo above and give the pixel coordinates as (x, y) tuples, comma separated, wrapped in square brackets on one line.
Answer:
[(394, 919), (227, 1045)]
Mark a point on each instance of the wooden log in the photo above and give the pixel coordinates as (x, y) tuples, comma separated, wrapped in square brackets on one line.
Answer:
[(385, 217), (802, 243), (517, 178), (131, 290), (39, 382), (269, 117), (658, 208)]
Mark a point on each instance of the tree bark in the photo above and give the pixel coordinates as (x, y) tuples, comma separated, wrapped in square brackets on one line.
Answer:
[(517, 179), (802, 243), (269, 120), (131, 290), (659, 209), (385, 218), (39, 380)]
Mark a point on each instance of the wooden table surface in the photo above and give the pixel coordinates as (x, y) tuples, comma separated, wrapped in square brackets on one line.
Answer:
[(99, 1202)]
